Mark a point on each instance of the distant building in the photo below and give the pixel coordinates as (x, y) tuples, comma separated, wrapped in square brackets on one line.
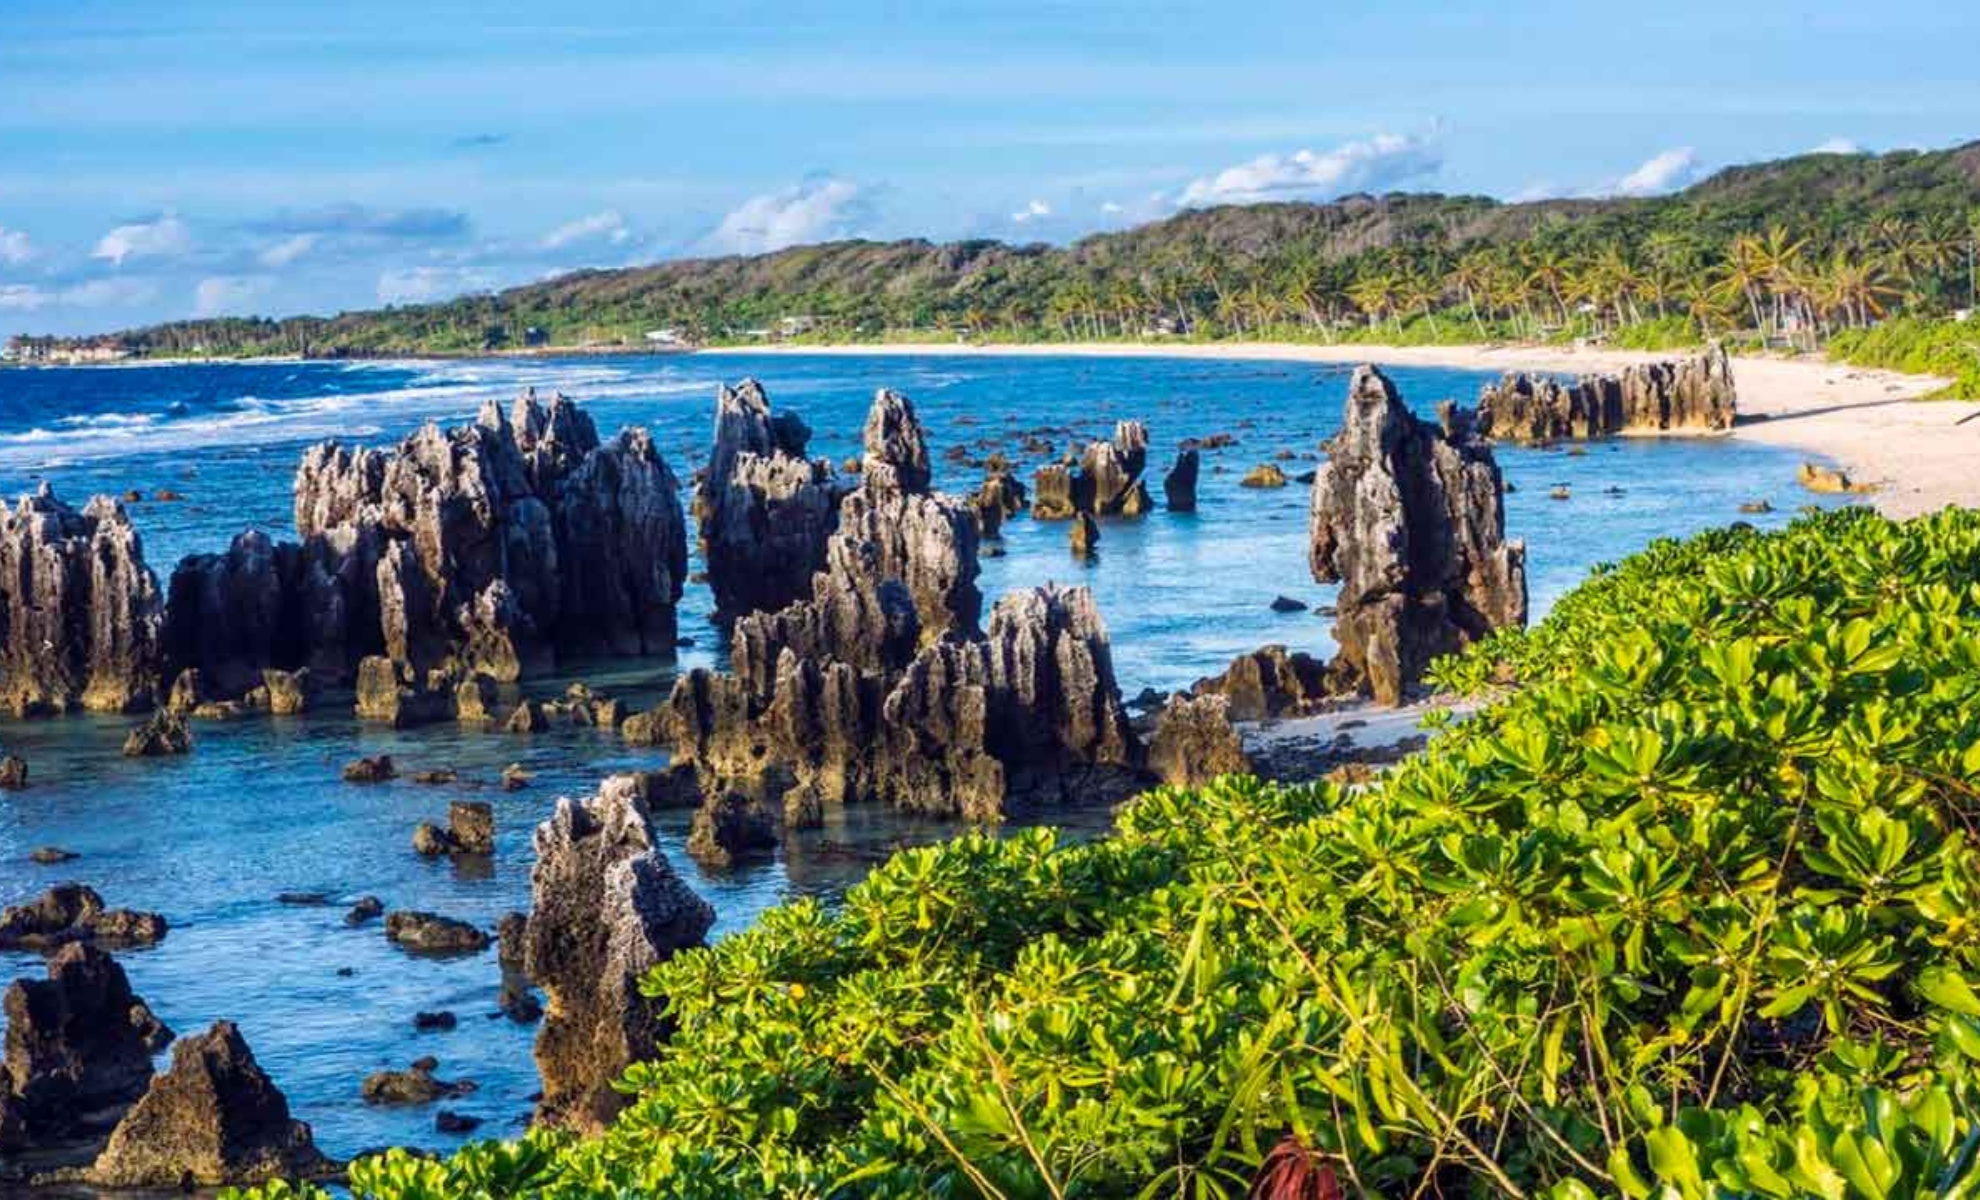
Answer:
[(536, 336), (790, 327), (665, 337)]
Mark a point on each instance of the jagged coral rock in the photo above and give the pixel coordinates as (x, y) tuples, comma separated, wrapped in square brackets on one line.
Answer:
[(1407, 518)]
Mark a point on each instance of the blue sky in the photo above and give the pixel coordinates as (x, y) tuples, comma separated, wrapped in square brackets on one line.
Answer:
[(196, 157)]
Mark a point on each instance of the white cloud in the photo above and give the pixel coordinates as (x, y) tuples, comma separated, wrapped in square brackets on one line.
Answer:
[(284, 252), (1109, 208), (166, 237), (1837, 146), (15, 248), (1372, 165), (819, 209), (1665, 172), (609, 225), (94, 293), (228, 295), (1032, 212), (417, 285)]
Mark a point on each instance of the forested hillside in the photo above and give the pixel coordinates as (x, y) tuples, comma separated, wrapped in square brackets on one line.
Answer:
[(1798, 250)]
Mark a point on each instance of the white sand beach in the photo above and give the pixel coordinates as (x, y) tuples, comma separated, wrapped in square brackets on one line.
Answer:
[(1920, 455)]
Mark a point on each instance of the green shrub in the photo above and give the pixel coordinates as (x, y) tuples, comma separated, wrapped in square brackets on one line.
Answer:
[(1919, 346), (1690, 909)]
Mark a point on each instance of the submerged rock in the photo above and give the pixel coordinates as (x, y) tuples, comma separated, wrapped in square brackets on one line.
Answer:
[(416, 1084), (73, 912), (78, 1044), (163, 733), (430, 933), (13, 772), (80, 612), (1407, 518), (372, 768), (606, 908), (214, 1118), (1690, 395)]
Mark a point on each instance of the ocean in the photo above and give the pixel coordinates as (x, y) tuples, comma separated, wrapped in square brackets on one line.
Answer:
[(258, 808)]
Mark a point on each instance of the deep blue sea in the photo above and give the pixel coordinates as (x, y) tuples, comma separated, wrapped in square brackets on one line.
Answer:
[(258, 809)]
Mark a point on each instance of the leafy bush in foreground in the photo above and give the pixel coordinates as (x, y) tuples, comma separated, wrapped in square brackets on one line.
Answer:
[(1693, 912)]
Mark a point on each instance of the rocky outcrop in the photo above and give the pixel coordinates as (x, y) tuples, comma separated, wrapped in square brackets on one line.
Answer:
[(470, 830), (1195, 742), (895, 456), (1000, 498), (399, 695), (1029, 715), (490, 549), (13, 772), (606, 909), (1694, 395), (78, 1046), (1108, 482), (765, 510), (79, 610), (73, 912), (1053, 497), (1407, 518), (214, 1118), (228, 616), (1179, 485), (1083, 536), (731, 828), (1269, 682)]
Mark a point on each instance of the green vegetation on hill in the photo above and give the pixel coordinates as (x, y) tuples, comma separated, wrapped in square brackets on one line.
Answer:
[(1688, 911), (1789, 252)]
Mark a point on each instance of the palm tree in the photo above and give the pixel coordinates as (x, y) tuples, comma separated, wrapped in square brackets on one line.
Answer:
[(1375, 295), (1853, 286), (1547, 274), (1472, 277)]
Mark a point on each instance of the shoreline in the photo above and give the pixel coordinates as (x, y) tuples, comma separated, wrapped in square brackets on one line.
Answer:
[(1874, 424)]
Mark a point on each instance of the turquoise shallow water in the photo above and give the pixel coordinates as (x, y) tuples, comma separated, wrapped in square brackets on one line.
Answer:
[(258, 808)]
